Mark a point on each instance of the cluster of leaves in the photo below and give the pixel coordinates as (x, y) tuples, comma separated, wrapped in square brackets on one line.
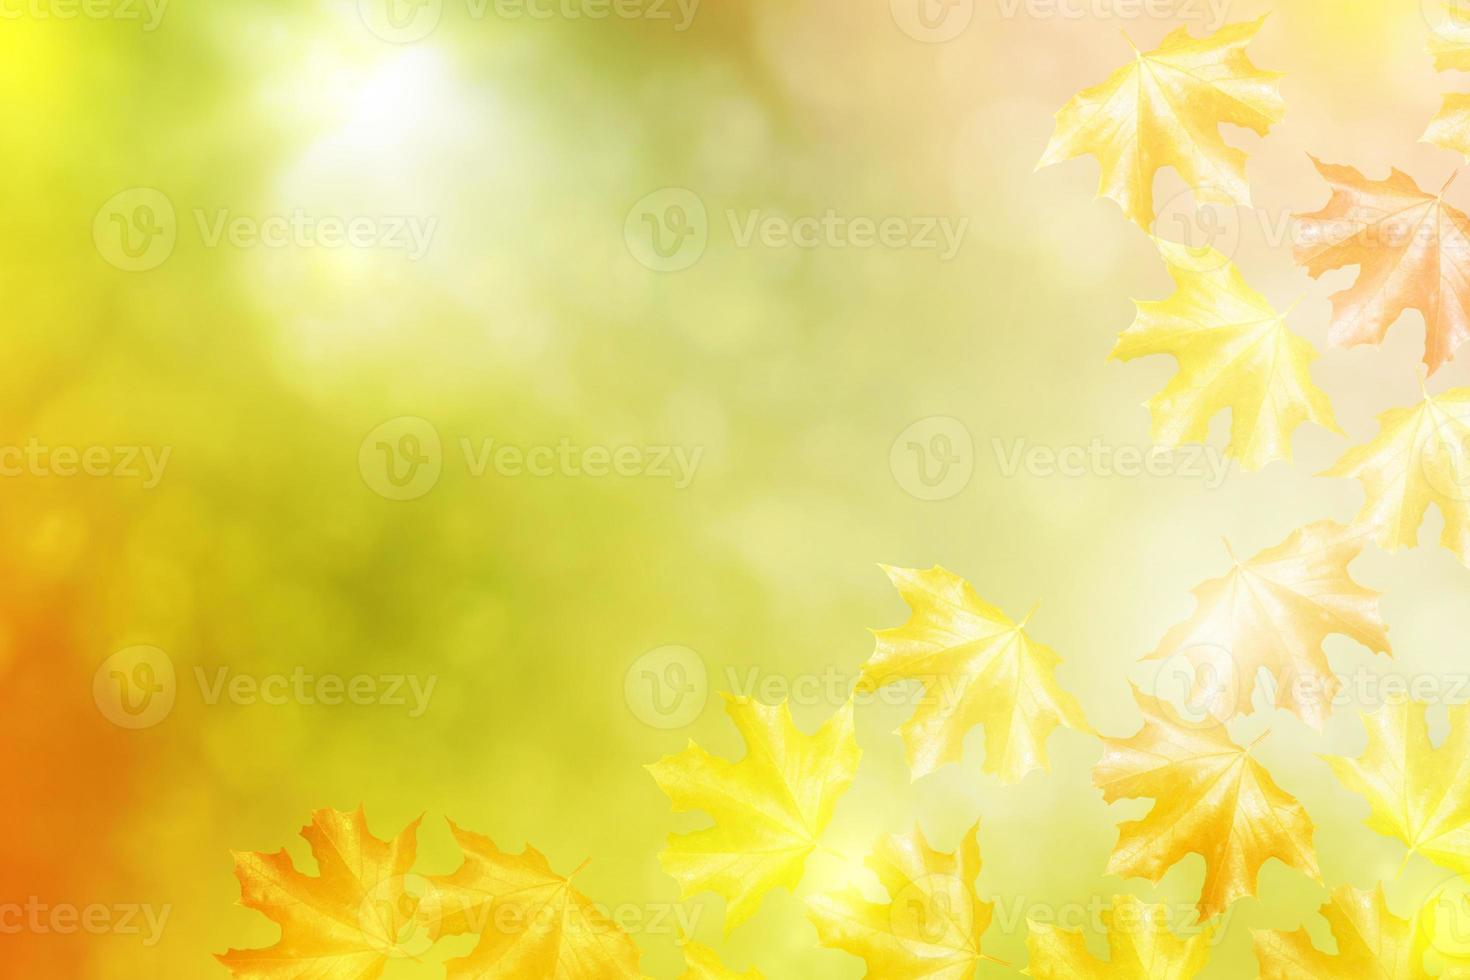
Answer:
[(982, 669)]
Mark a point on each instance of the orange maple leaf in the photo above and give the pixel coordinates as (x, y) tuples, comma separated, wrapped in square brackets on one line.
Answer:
[(344, 924), (1211, 798), (531, 921), (1412, 250)]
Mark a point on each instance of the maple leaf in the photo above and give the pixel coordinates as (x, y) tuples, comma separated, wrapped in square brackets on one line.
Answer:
[(1415, 792), (532, 923), (1211, 798), (1450, 46), (1234, 352), (344, 924), (704, 964), (1421, 456), (933, 922), (1372, 944), (1413, 253), (1450, 40), (977, 667), (1274, 612), (769, 808), (1141, 945), (1165, 109)]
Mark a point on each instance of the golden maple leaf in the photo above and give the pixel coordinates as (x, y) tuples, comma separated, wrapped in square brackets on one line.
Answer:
[(1413, 251), (344, 924), (769, 808), (1450, 127), (1211, 798), (1372, 944), (533, 925), (1421, 456), (1415, 792), (704, 964), (1450, 46), (1234, 352), (1141, 944), (1274, 612), (977, 667), (933, 922), (1165, 109)]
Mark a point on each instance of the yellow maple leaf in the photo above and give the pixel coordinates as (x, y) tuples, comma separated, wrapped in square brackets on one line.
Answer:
[(1234, 352), (977, 667), (1413, 253), (1450, 45), (1165, 109), (1421, 456), (1211, 799), (1372, 944), (704, 964), (1275, 611), (932, 924), (769, 808), (1449, 41), (1450, 127), (1415, 792), (1140, 942), (344, 924), (533, 925)]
